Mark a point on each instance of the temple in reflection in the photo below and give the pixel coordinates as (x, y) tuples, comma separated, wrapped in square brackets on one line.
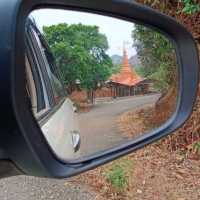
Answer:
[(127, 82)]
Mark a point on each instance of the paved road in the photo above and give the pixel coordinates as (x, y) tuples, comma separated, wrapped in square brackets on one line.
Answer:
[(30, 188), (98, 127)]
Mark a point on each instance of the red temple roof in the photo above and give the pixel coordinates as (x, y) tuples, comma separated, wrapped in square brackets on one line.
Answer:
[(127, 75)]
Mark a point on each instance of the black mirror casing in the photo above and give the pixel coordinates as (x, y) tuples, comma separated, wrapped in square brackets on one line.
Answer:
[(21, 139)]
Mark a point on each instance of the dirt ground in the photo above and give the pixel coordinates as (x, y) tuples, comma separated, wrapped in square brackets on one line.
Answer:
[(154, 172), (155, 175)]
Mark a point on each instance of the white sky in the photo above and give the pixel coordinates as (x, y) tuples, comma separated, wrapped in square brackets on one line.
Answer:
[(117, 31)]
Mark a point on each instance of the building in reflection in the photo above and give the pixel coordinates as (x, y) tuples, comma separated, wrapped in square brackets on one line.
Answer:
[(127, 82)]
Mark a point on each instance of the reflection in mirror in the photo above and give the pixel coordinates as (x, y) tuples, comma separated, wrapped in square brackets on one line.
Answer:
[(95, 82)]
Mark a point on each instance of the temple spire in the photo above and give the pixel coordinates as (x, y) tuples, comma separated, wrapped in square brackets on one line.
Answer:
[(125, 63), (127, 75)]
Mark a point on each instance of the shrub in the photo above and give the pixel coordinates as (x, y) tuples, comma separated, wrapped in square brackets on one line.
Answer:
[(117, 177), (118, 174)]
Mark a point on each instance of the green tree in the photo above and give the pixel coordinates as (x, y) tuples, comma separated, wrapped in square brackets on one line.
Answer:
[(190, 6), (157, 56), (80, 52)]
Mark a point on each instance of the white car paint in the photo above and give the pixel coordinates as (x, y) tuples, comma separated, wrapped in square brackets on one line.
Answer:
[(59, 129)]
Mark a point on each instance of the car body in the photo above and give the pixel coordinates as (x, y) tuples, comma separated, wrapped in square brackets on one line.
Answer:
[(53, 110)]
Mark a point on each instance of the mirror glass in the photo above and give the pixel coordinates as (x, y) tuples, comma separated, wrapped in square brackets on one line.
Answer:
[(95, 82)]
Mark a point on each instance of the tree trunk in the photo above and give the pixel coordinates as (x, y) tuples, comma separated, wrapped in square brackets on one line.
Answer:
[(90, 96)]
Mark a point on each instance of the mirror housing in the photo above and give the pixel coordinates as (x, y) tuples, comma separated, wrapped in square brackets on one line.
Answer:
[(22, 140)]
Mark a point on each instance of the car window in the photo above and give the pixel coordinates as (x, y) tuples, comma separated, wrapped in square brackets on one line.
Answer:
[(36, 88), (30, 87), (51, 69)]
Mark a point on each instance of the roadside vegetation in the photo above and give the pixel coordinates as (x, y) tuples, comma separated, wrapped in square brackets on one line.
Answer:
[(190, 7), (118, 174), (157, 57)]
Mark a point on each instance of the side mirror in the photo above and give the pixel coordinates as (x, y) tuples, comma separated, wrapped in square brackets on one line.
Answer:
[(91, 82)]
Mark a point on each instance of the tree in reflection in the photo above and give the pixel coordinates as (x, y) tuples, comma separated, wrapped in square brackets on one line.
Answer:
[(80, 53)]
